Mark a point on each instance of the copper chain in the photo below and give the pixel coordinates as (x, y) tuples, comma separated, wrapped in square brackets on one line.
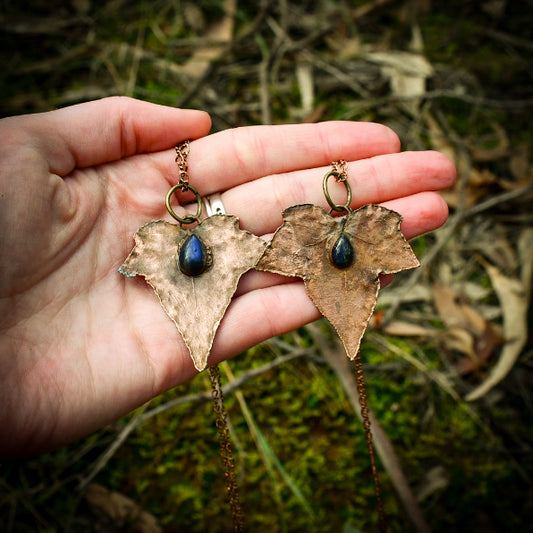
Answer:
[(182, 153), (341, 167), (226, 452), (368, 435)]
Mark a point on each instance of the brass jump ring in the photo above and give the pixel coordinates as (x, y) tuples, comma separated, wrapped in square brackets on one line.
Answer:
[(189, 219), (335, 207)]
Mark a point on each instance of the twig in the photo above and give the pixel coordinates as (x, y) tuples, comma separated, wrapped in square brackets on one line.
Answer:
[(442, 381), (196, 86), (301, 46), (44, 26), (264, 90), (52, 64), (134, 68), (497, 199), (141, 416), (384, 447), (193, 90), (509, 39), (230, 387), (362, 11), (444, 93), (263, 447), (444, 235), (88, 93), (112, 449), (437, 377)]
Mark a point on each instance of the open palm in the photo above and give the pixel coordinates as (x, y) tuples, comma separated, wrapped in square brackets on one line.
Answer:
[(80, 345)]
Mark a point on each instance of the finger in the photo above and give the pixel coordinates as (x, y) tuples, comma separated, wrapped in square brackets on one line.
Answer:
[(272, 311), (109, 129), (421, 213), (231, 157), (249, 320), (259, 204)]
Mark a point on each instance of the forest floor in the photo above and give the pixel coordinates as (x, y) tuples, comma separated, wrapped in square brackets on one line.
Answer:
[(448, 357)]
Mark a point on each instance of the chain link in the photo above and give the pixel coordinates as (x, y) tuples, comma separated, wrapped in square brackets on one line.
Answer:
[(341, 167), (182, 153), (226, 452), (368, 435)]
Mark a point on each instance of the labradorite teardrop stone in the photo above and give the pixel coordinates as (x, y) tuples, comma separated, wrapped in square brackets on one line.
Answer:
[(192, 258), (342, 253)]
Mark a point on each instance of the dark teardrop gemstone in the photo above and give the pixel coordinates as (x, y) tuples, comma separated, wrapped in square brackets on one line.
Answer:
[(192, 258), (342, 253)]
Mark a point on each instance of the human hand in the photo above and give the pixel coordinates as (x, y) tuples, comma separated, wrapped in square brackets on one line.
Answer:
[(80, 345)]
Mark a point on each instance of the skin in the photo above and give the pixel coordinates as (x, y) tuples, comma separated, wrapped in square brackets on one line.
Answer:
[(80, 345)]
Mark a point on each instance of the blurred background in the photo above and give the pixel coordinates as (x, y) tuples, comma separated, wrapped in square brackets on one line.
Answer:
[(448, 357)]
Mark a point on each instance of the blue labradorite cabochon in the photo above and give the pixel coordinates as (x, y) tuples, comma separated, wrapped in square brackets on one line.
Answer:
[(342, 253), (192, 258)]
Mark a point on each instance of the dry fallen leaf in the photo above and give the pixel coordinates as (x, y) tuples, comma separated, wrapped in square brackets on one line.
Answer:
[(467, 331), (435, 480), (419, 293), (196, 304), (484, 346), (220, 32), (514, 296), (496, 152), (520, 165), (399, 328), (525, 252), (121, 510), (345, 296), (439, 140), (456, 313), (407, 73), (304, 76), (459, 340)]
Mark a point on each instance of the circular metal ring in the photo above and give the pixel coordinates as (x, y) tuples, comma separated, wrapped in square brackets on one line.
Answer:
[(188, 219), (335, 207), (340, 209)]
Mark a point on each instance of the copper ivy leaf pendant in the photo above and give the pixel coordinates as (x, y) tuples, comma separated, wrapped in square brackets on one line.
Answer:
[(194, 272), (340, 261)]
